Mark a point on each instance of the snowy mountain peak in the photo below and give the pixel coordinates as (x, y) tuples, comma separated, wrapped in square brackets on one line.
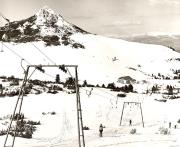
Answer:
[(45, 26), (45, 10), (48, 16), (107, 59)]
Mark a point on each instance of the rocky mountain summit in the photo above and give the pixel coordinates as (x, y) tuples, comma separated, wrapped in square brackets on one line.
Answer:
[(45, 26)]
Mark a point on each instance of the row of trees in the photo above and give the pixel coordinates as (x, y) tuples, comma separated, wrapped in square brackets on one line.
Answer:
[(169, 89), (126, 88), (70, 84)]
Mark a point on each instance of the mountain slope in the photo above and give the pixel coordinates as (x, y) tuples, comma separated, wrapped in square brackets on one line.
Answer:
[(104, 59), (44, 25), (169, 40)]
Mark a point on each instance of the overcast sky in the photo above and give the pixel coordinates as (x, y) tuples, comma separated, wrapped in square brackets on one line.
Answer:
[(105, 17)]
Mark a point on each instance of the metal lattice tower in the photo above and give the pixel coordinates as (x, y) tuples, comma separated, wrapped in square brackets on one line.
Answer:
[(19, 102)]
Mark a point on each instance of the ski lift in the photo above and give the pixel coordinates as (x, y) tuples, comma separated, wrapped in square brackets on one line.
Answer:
[(63, 68), (130, 107), (39, 67), (89, 92), (114, 59)]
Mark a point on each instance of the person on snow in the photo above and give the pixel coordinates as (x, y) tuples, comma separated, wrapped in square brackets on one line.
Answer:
[(100, 130), (169, 124), (130, 122), (175, 126)]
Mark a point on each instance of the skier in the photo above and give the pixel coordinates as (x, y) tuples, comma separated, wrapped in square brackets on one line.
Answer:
[(100, 130), (130, 122), (175, 126), (169, 124)]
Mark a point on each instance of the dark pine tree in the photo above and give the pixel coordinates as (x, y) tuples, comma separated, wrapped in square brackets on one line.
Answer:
[(103, 86), (126, 88), (84, 83), (111, 86), (130, 88), (170, 90)]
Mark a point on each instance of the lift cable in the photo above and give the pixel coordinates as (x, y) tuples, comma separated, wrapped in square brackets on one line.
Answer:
[(84, 88), (15, 53), (65, 70), (43, 54)]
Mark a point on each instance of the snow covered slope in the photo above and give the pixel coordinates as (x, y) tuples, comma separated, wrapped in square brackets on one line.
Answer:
[(46, 38), (60, 130)]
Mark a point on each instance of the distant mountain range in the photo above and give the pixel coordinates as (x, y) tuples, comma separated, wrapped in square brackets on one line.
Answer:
[(172, 41)]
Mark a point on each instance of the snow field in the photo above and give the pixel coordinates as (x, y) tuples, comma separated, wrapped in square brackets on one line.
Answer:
[(100, 107)]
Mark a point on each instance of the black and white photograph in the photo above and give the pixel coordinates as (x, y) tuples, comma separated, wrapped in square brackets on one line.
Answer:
[(89, 73)]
